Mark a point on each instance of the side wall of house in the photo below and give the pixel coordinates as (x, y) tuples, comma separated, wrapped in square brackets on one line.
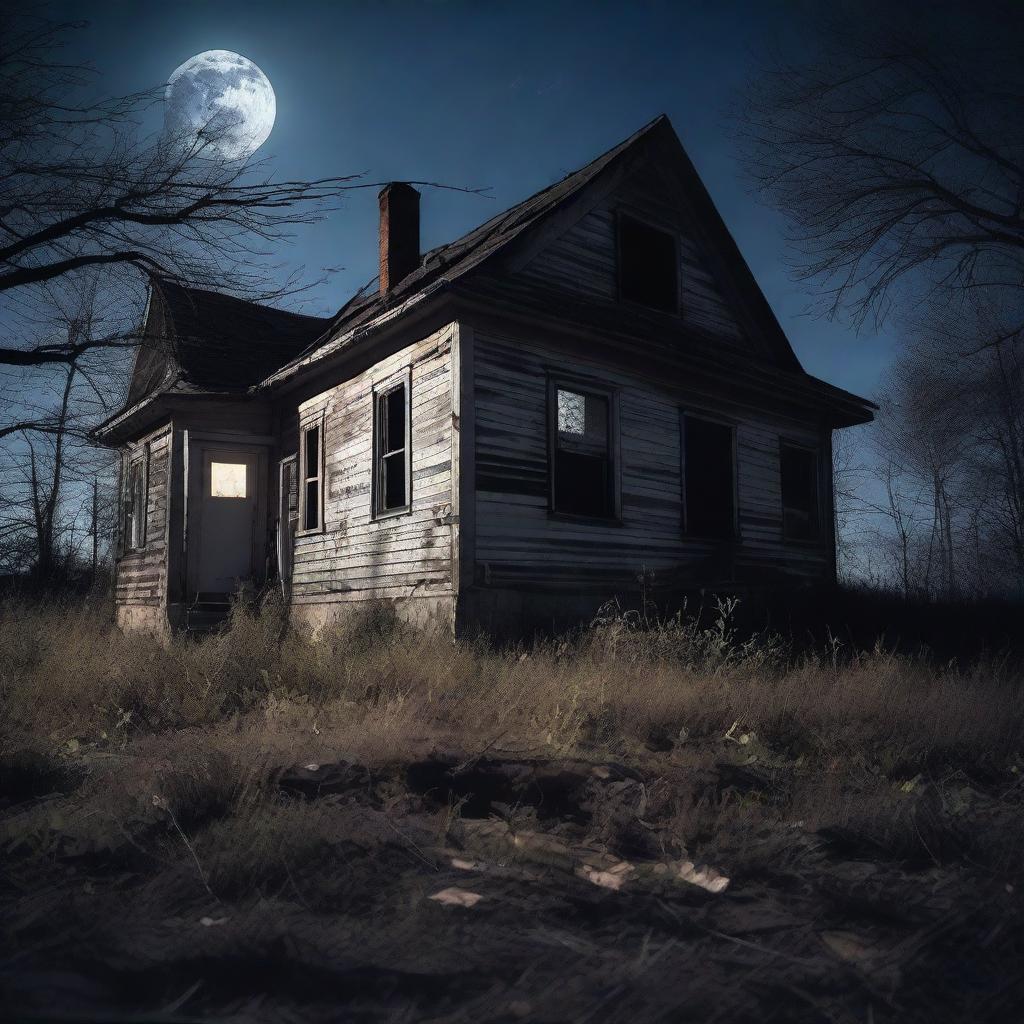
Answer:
[(532, 568), (140, 593), (405, 560)]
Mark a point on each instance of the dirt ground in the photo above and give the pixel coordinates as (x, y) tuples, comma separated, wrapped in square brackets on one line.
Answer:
[(493, 885)]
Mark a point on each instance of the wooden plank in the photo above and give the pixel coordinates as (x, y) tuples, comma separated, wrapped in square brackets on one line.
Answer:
[(513, 526), (397, 554)]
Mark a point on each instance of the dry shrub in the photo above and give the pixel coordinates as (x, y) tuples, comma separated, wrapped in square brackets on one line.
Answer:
[(68, 677)]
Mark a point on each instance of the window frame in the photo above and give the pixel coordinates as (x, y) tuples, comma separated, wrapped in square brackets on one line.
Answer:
[(381, 390), (557, 381), (815, 452), (315, 422), (722, 421), (135, 529), (627, 215)]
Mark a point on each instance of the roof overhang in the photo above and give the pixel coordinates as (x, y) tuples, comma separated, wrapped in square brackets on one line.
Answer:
[(346, 345), (128, 422)]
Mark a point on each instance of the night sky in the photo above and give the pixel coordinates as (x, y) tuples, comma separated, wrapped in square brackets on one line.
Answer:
[(508, 96)]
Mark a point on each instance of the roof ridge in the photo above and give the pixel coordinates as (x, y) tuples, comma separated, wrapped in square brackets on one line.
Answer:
[(163, 282)]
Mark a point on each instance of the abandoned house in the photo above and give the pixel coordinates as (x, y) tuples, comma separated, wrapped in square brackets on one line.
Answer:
[(504, 433)]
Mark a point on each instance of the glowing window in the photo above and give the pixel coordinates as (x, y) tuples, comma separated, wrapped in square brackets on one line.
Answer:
[(227, 479)]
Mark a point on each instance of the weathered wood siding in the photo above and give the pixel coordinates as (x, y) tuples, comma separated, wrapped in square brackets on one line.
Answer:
[(519, 545), (584, 260), (407, 556), (142, 575)]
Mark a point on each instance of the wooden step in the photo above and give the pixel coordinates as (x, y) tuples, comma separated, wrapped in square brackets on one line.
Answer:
[(207, 614)]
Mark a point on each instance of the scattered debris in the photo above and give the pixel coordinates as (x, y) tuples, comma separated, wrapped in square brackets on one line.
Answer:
[(706, 877), (315, 780), (847, 945), (452, 897), (612, 878)]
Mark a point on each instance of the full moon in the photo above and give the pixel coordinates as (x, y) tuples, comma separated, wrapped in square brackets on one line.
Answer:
[(222, 97)]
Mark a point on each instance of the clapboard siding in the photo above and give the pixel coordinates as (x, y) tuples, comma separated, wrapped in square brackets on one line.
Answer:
[(584, 259), (518, 543), (142, 575), (357, 557)]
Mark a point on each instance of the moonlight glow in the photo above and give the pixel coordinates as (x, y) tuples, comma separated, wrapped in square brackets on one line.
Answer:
[(222, 96)]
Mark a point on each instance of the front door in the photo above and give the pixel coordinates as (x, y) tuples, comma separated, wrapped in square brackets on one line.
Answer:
[(227, 520)]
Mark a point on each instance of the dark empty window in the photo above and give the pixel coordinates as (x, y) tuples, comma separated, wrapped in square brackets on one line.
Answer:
[(392, 486), (708, 476), (135, 506), (312, 475), (800, 514), (288, 516), (583, 482), (648, 271)]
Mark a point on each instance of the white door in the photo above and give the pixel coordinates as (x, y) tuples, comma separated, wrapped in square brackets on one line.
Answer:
[(227, 520)]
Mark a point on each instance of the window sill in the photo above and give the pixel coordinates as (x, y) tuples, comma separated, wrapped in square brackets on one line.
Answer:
[(570, 517), (642, 307), (299, 534), (708, 538), (804, 542), (391, 513)]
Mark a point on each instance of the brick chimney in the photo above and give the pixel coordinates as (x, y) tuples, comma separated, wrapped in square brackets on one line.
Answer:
[(399, 233)]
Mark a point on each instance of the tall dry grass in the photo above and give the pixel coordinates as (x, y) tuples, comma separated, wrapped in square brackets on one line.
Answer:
[(370, 685)]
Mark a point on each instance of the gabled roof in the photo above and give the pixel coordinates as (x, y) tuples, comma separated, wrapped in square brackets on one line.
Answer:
[(454, 259), (224, 345), (200, 342), (221, 343), (491, 241)]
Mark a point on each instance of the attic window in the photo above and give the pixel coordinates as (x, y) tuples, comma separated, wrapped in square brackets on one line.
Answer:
[(801, 519), (708, 478), (648, 266), (582, 464)]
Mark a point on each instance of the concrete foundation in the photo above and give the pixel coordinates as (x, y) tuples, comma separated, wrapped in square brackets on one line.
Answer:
[(139, 618), (428, 612)]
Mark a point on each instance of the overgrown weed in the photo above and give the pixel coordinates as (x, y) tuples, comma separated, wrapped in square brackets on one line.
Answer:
[(67, 678)]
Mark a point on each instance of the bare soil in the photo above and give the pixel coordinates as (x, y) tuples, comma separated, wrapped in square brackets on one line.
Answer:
[(566, 894)]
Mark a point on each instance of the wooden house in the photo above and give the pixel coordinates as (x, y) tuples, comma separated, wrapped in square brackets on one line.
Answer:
[(503, 434)]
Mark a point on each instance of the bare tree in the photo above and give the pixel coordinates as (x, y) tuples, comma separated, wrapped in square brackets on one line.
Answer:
[(90, 210), (49, 469), (891, 137), (950, 450), (79, 190)]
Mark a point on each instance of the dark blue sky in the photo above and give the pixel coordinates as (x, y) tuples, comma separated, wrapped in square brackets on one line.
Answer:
[(510, 96)]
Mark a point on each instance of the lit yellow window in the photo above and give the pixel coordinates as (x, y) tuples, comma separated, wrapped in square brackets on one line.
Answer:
[(227, 479)]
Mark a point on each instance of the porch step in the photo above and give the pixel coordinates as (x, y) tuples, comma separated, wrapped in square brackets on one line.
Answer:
[(207, 614)]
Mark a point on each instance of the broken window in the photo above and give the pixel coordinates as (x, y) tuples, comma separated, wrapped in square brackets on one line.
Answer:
[(392, 450), (583, 483), (708, 478), (311, 473), (801, 518), (136, 500), (648, 266)]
